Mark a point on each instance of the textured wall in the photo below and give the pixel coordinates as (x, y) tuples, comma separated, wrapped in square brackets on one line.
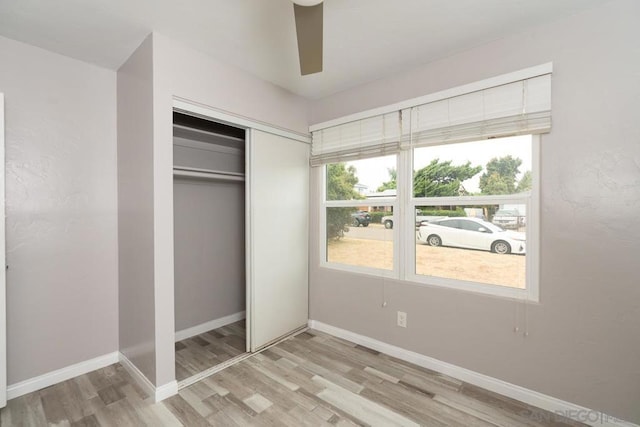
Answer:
[(61, 208), (583, 342), (135, 210)]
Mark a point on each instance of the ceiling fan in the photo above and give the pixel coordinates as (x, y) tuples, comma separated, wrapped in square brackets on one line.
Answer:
[(308, 15)]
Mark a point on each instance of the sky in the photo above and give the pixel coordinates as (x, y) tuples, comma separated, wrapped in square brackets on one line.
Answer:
[(373, 172)]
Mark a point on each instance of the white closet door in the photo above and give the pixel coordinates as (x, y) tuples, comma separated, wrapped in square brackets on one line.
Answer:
[(3, 283), (278, 230)]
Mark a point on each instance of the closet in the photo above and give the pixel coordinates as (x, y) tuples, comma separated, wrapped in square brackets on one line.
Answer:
[(209, 244)]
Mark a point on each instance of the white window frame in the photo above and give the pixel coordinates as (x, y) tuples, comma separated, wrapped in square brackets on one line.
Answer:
[(530, 198), (404, 240), (324, 204), (404, 248)]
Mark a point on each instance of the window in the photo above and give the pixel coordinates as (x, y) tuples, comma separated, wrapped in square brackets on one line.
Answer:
[(442, 192), (359, 197), (470, 201), (486, 187)]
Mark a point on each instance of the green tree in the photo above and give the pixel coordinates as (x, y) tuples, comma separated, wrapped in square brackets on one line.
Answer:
[(340, 181), (500, 175), (525, 183), (439, 179), (495, 184), (392, 183)]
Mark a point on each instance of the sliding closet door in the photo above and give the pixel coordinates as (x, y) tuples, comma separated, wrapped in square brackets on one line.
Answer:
[(277, 230)]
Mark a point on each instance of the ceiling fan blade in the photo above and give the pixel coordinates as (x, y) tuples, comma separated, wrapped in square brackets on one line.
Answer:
[(309, 32)]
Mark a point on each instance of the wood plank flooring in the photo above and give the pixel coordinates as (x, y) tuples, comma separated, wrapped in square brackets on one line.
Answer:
[(310, 380), (204, 351)]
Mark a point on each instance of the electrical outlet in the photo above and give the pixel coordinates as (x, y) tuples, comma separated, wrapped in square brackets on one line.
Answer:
[(402, 319)]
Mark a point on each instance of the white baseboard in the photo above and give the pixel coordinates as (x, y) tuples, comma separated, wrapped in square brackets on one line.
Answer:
[(167, 390), (210, 325), (156, 393), (59, 375), (137, 375), (530, 397)]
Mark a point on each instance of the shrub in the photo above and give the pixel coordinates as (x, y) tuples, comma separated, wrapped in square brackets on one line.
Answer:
[(338, 221), (443, 212), (376, 217)]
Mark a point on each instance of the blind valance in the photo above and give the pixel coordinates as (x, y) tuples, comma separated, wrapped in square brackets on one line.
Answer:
[(518, 108), (370, 137)]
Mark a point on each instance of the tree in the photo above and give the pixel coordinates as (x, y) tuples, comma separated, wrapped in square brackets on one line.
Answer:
[(495, 184), (439, 179), (500, 175), (392, 183), (525, 183), (340, 181)]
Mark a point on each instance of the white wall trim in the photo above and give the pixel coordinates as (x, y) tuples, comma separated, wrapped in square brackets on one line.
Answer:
[(155, 393), (210, 325), (137, 375), (190, 107), (3, 259), (530, 397), (165, 391), (59, 375), (502, 79)]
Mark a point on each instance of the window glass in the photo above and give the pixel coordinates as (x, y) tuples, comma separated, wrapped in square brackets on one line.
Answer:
[(451, 223), (475, 239), (362, 179), (353, 239), (480, 168), (472, 226), (473, 246)]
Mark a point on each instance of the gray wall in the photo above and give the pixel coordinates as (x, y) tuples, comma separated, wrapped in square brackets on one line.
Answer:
[(208, 155), (197, 77), (135, 210), (209, 250), (583, 344), (61, 238)]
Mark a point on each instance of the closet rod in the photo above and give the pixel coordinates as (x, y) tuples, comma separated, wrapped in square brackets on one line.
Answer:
[(213, 175)]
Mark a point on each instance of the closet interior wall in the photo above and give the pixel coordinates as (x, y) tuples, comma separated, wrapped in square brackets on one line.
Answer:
[(209, 223)]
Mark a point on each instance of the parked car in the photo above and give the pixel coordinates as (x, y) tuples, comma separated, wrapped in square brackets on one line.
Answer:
[(507, 218), (387, 221), (361, 218), (472, 233)]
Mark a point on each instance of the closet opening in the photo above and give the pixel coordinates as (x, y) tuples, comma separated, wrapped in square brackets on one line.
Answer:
[(210, 283)]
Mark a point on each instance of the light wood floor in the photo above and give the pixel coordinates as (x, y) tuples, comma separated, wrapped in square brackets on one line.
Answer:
[(309, 380), (204, 351)]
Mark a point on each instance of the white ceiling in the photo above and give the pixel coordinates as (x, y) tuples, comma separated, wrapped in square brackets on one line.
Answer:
[(363, 39)]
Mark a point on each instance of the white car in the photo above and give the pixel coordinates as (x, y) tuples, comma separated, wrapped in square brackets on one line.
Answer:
[(387, 221), (472, 233)]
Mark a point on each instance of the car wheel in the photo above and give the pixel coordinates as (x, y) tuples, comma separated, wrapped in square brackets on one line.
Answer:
[(501, 247), (434, 240), (356, 223), (388, 224)]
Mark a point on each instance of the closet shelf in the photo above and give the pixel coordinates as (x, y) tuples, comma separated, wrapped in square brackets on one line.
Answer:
[(207, 174), (187, 130)]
